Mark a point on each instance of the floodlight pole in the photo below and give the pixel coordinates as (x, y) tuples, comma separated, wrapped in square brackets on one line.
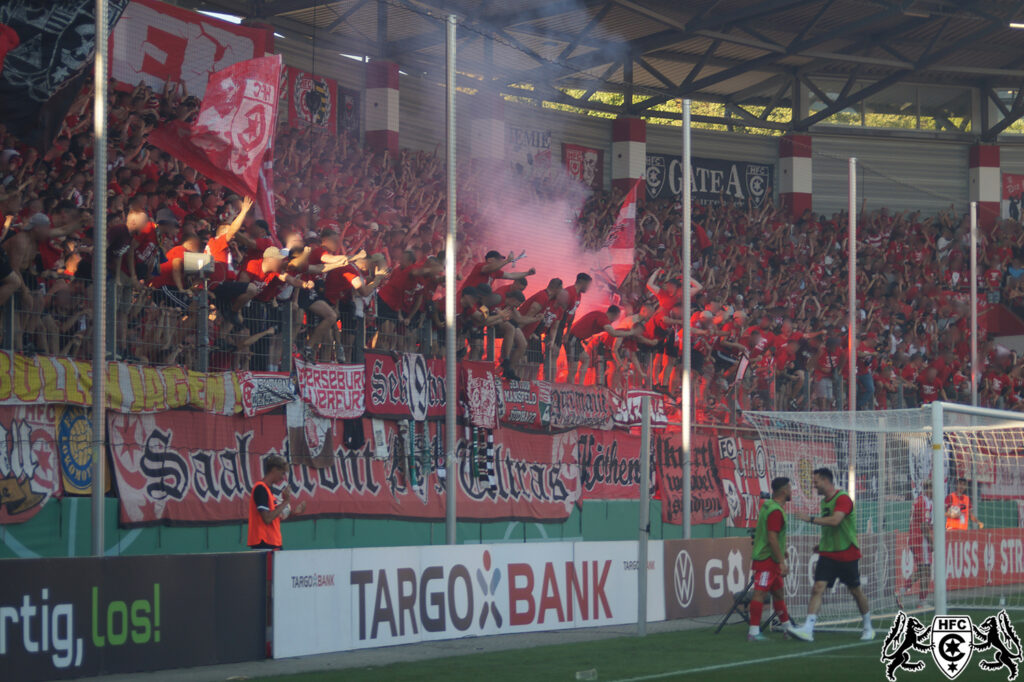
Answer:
[(645, 516), (851, 331), (687, 397), (974, 331), (451, 463), (99, 278)]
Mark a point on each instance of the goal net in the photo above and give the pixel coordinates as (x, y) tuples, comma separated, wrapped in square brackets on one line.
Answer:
[(908, 530)]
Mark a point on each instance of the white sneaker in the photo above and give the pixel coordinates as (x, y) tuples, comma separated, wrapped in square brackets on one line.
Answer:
[(802, 634), (867, 635)]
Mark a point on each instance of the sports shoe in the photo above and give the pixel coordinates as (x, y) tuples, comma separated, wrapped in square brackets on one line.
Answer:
[(759, 637), (867, 635), (802, 634)]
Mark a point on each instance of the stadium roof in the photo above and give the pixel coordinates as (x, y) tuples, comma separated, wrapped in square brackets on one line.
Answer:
[(736, 52)]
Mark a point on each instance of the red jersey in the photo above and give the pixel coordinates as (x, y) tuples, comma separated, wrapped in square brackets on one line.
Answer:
[(393, 291), (166, 276), (340, 284), (590, 324), (145, 248), (219, 250), (268, 283), (477, 276), (574, 301), (928, 390), (921, 516), (544, 301)]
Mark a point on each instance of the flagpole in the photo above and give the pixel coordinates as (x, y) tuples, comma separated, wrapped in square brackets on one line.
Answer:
[(687, 397), (99, 279), (451, 463)]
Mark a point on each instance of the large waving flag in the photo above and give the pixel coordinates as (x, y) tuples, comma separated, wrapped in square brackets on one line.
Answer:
[(621, 241), (234, 132)]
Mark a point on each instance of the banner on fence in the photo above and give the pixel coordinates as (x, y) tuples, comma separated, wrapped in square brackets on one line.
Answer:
[(404, 386), (130, 388), (573, 405), (629, 409), (743, 469), (265, 391), (609, 465), (344, 599), (336, 391), (481, 386), (30, 468), (740, 181), (1013, 196), (585, 164), (189, 468), (526, 404), (101, 616), (312, 100), (707, 501), (158, 43)]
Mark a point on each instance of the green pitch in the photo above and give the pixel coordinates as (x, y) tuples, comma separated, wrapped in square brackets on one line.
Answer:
[(687, 655)]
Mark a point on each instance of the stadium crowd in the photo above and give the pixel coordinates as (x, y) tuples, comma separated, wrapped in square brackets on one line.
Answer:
[(356, 259)]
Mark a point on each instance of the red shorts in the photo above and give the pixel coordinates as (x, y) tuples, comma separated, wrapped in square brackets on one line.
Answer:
[(766, 576)]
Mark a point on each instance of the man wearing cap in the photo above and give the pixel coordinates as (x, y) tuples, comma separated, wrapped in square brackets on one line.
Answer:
[(491, 269)]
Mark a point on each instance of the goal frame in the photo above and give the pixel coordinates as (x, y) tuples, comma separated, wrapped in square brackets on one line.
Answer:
[(938, 413)]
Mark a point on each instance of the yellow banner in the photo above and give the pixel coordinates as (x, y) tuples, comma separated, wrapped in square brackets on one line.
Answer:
[(130, 388)]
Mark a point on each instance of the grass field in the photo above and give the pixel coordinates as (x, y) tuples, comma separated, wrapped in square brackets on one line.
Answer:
[(687, 655)]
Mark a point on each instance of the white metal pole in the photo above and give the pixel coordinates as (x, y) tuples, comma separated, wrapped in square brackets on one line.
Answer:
[(99, 279), (687, 398), (974, 331), (974, 303), (645, 517), (451, 464), (851, 332), (938, 505)]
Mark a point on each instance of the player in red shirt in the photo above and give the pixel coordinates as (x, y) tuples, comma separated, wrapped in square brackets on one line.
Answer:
[(769, 571)]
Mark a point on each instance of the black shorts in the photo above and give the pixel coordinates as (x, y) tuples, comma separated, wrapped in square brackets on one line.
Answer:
[(669, 346), (5, 266), (227, 292), (386, 312), (308, 297), (696, 361), (172, 298), (829, 570)]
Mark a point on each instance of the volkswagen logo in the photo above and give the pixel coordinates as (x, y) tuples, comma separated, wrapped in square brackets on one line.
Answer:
[(684, 578)]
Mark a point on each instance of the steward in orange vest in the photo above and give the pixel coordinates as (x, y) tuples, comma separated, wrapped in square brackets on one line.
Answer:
[(265, 513), (958, 508)]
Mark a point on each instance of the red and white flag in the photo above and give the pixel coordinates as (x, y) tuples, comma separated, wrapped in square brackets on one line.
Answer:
[(234, 131), (622, 238)]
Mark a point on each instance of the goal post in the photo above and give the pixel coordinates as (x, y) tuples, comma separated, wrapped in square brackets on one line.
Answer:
[(886, 460)]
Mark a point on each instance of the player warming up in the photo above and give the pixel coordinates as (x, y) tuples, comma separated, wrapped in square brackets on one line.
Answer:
[(838, 553), (920, 544), (769, 565)]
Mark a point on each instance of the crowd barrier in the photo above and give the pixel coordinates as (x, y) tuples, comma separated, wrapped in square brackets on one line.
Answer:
[(64, 618)]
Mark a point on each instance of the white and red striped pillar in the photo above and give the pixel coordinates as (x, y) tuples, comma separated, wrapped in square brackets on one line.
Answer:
[(487, 132), (986, 182), (629, 152), (795, 173), (382, 106)]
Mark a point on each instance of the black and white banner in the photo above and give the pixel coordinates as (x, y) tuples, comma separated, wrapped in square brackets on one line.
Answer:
[(711, 179)]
